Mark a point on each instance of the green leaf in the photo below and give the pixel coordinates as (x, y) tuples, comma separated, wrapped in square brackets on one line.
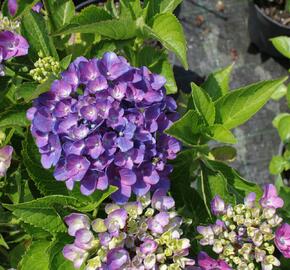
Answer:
[(96, 20), (277, 119), (237, 185), (167, 29), (37, 257), (280, 92), (186, 128), (60, 12), (217, 83), (57, 260), (284, 128), (236, 107), (277, 165), (130, 9), (92, 202), (212, 183), (203, 103), (2, 242), (188, 202), (221, 134), (114, 29), (24, 7), (24, 90), (224, 153), (31, 94), (282, 44), (41, 212), (42, 178), (64, 63), (157, 61), (14, 117), (34, 28), (161, 6)]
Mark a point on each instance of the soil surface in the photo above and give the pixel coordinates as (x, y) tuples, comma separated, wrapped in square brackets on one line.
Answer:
[(276, 10), (216, 37)]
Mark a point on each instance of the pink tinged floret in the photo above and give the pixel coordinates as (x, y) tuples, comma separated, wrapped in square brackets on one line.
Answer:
[(250, 200), (75, 254), (208, 263), (282, 239), (76, 222), (5, 159), (218, 206), (270, 197)]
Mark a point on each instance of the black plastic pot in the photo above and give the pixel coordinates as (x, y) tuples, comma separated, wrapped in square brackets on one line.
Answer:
[(262, 28)]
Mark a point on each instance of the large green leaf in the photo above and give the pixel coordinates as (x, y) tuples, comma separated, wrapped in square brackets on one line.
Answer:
[(14, 117), (114, 29), (34, 28), (212, 183), (167, 29), (96, 20), (236, 107), (37, 257), (203, 103), (282, 44), (92, 202), (220, 134), (237, 185), (60, 12), (188, 202), (41, 216), (29, 90), (217, 83), (187, 128), (42, 178), (57, 261)]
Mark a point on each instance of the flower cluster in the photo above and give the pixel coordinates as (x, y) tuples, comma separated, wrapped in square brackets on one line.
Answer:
[(5, 159), (7, 24), (244, 235), (102, 124), (44, 67), (144, 234)]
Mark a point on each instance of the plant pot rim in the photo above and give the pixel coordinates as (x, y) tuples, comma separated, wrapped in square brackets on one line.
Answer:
[(269, 18)]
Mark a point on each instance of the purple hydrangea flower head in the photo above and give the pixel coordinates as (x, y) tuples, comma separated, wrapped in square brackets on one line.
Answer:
[(282, 239), (134, 235), (208, 263), (270, 197), (103, 124), (12, 45), (5, 159), (245, 234)]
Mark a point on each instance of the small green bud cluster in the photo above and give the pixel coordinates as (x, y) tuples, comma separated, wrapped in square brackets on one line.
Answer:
[(8, 25), (44, 66)]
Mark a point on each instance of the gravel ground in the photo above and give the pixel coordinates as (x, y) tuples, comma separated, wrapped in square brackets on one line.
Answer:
[(216, 39)]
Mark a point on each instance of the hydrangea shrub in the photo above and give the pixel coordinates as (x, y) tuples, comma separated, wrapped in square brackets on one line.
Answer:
[(102, 168)]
